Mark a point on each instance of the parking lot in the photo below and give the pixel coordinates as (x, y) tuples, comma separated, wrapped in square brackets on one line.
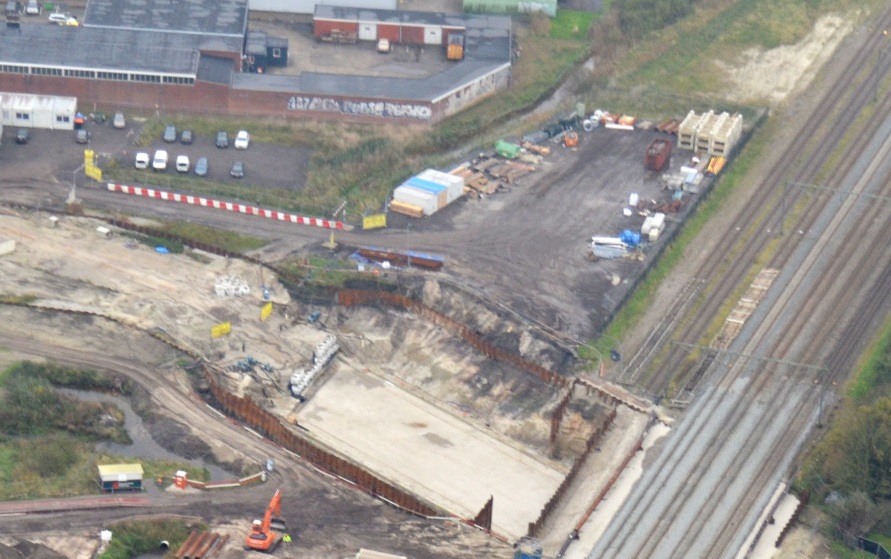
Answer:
[(54, 154)]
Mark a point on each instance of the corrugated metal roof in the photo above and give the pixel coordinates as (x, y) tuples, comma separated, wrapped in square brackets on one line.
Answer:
[(495, 23), (108, 49), (205, 17), (215, 69)]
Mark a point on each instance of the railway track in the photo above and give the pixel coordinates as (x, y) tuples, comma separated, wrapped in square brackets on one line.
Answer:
[(704, 493), (761, 217)]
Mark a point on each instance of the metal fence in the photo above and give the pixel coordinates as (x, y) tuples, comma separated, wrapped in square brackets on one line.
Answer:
[(875, 548)]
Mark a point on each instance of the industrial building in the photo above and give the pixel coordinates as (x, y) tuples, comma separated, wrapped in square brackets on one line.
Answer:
[(200, 56), (309, 6)]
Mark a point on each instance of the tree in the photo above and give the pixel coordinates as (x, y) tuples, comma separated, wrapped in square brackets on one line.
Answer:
[(858, 451)]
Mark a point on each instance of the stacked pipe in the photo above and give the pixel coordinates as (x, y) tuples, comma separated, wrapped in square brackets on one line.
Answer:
[(321, 356)]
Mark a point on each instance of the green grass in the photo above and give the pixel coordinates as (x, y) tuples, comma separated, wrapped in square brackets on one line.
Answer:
[(132, 538), (571, 25), (228, 240), (863, 386)]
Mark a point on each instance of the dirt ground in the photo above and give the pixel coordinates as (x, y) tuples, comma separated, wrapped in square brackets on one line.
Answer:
[(133, 283)]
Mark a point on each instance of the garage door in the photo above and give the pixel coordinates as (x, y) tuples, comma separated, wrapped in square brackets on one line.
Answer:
[(432, 35), (367, 31)]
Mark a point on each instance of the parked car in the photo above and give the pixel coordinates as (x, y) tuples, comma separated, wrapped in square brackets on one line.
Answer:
[(169, 134), (237, 170), (142, 160), (119, 121), (201, 167), (71, 22), (182, 164), (33, 8), (59, 18), (222, 139), (81, 136), (159, 163), (383, 46), (22, 136), (186, 137), (242, 139)]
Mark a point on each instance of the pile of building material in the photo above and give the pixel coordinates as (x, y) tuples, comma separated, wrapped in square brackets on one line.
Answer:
[(321, 356), (715, 134), (200, 545), (669, 126), (487, 175), (652, 226), (427, 193), (231, 286), (614, 247)]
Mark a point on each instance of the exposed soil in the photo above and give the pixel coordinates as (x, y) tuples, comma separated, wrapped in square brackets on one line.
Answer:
[(135, 284)]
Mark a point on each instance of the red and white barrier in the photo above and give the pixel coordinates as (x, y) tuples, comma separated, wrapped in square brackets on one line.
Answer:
[(228, 206)]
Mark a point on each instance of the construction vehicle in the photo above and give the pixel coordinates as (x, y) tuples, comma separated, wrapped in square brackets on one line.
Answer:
[(263, 536)]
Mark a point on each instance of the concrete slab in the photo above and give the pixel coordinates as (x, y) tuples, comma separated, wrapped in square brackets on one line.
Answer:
[(429, 451)]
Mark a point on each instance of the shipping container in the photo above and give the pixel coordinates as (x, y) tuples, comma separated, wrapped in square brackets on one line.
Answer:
[(120, 477), (427, 201), (658, 154)]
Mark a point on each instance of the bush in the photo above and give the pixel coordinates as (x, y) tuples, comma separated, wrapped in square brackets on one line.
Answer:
[(47, 457), (133, 538)]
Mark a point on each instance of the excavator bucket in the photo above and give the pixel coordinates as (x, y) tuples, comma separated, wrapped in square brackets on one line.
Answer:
[(278, 524)]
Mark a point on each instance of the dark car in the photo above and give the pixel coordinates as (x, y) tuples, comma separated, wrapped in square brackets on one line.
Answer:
[(186, 137), (201, 167), (237, 170), (169, 134), (22, 136), (222, 139), (81, 136)]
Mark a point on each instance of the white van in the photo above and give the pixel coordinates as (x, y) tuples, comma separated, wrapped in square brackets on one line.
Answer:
[(183, 163), (159, 163), (33, 8), (142, 160)]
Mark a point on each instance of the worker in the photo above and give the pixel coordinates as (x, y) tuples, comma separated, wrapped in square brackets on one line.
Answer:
[(286, 538)]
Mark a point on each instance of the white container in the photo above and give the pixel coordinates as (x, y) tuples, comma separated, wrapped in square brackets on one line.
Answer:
[(647, 225), (453, 183), (427, 201), (633, 200)]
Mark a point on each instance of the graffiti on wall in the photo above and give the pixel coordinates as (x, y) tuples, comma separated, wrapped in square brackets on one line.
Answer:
[(476, 90), (380, 109)]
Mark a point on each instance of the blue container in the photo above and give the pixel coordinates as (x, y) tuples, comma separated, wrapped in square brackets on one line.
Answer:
[(528, 548), (422, 184)]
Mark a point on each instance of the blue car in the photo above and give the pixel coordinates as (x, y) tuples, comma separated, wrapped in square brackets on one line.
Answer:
[(201, 167)]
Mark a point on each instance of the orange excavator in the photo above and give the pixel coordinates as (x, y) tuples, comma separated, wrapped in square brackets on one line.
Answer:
[(262, 536)]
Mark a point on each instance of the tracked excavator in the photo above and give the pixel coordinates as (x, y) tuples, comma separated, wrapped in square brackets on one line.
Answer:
[(264, 534)]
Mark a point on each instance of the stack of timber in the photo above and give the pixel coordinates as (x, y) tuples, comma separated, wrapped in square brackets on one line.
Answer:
[(405, 208)]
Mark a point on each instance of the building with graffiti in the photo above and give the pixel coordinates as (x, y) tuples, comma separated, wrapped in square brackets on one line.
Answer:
[(201, 56)]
